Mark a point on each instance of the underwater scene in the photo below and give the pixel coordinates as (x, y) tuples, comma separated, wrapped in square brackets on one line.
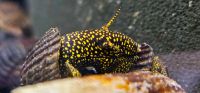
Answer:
[(99, 46)]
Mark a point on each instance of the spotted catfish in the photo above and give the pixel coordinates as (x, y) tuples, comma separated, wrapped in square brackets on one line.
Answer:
[(99, 51), (94, 51)]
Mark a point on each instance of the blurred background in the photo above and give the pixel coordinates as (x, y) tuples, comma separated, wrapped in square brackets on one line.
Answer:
[(171, 27)]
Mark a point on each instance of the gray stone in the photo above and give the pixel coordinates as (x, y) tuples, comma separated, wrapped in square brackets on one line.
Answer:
[(184, 67), (167, 25)]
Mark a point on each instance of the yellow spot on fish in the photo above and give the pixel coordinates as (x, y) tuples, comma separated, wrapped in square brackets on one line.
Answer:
[(79, 42), (78, 47), (68, 44), (82, 50), (68, 37), (84, 42), (66, 48), (72, 53), (92, 36), (67, 61), (78, 55), (107, 38), (86, 49)]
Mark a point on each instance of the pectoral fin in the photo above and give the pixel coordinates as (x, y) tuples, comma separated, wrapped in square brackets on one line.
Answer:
[(157, 67), (73, 72)]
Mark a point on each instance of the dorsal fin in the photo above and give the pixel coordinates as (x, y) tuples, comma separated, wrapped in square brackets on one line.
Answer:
[(106, 26)]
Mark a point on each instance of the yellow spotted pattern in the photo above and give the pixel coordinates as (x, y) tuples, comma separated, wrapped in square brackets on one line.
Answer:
[(107, 51)]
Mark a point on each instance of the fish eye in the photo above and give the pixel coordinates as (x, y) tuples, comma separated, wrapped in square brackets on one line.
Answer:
[(88, 70)]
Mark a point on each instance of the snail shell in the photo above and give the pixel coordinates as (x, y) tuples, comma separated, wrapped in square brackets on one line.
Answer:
[(42, 61), (12, 55)]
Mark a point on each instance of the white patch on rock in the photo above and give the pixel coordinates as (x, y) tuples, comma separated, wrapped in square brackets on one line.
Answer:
[(190, 3)]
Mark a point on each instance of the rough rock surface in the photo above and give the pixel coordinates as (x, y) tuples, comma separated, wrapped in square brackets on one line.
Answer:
[(167, 25), (184, 67), (133, 82)]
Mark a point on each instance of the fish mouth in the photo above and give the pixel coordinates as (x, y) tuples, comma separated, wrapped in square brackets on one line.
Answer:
[(88, 70)]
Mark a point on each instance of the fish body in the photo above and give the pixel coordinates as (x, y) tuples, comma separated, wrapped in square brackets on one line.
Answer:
[(105, 51)]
